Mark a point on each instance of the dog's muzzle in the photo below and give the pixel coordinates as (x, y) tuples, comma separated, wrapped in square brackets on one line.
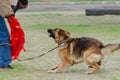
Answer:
[(51, 34)]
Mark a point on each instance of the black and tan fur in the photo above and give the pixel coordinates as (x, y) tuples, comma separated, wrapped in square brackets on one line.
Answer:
[(76, 50)]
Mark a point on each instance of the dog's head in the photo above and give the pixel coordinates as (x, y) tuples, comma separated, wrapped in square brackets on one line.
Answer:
[(59, 34)]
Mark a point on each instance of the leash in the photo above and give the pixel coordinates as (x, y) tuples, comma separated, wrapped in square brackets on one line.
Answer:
[(61, 43), (33, 57), (38, 55)]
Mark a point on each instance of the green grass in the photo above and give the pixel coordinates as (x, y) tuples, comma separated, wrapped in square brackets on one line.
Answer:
[(74, 23), (68, 0), (103, 28)]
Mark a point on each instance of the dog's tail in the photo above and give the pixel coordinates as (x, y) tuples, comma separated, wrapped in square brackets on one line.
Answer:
[(110, 48)]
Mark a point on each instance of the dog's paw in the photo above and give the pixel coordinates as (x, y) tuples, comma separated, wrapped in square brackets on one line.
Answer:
[(53, 68), (53, 71), (88, 72)]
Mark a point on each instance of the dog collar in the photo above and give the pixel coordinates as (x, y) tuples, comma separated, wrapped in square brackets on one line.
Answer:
[(61, 43)]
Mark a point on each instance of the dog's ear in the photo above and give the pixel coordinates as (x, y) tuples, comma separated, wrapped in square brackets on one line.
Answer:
[(62, 32), (68, 33)]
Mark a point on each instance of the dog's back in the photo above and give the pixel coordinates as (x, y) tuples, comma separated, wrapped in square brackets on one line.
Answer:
[(80, 45)]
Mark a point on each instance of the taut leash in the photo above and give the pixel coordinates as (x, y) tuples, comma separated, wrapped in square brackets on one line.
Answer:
[(32, 57), (61, 43), (39, 55)]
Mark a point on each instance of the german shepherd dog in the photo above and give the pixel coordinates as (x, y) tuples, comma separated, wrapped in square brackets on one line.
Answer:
[(76, 50)]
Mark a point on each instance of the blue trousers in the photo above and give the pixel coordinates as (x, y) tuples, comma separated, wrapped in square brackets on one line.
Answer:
[(5, 50)]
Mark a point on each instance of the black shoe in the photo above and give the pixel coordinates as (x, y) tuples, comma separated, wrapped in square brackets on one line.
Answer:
[(11, 67), (6, 67)]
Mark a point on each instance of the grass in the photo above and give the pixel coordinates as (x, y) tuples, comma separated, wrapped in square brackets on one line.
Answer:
[(68, 0), (104, 28), (75, 23)]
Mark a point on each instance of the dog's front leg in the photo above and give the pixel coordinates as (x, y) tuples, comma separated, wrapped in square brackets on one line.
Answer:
[(61, 67), (55, 67), (66, 61)]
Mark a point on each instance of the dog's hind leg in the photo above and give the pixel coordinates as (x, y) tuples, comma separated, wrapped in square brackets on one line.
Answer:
[(93, 60), (95, 68), (99, 63)]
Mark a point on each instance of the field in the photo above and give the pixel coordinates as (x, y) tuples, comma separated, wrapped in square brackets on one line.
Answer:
[(104, 28), (69, 0)]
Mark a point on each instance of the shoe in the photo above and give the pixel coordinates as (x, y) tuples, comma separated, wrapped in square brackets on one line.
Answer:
[(11, 67), (6, 67)]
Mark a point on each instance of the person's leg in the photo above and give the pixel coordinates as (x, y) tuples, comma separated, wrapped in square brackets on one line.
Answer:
[(5, 50)]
